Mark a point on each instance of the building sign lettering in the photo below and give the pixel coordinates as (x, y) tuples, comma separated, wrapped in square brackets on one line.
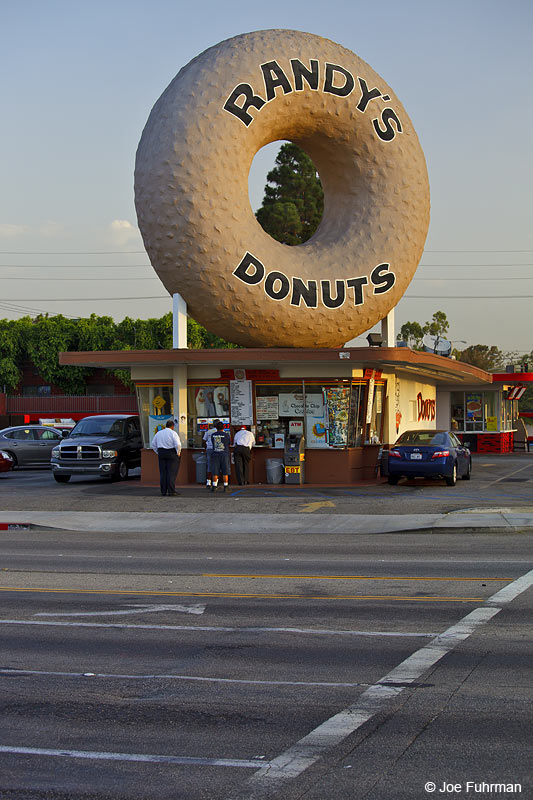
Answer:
[(426, 408), (278, 286), (331, 79)]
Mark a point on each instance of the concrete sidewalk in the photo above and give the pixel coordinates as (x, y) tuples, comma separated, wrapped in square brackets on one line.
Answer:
[(497, 520)]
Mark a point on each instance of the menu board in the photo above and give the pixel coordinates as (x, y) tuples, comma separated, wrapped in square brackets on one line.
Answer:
[(266, 407), (241, 403)]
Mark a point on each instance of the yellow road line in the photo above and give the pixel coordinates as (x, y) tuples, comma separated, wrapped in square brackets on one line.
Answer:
[(355, 577), (262, 596)]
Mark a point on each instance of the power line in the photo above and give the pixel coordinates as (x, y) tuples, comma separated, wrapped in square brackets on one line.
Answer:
[(151, 278), (83, 299), (487, 266), (454, 280), (469, 297), (136, 252), (478, 251), (74, 252), (15, 309), (78, 266)]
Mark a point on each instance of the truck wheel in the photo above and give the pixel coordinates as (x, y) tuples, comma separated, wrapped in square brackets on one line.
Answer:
[(393, 480), (62, 478), (121, 472)]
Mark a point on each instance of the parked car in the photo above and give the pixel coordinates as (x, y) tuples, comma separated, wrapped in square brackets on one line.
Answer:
[(6, 462), (108, 445), (429, 454), (29, 445)]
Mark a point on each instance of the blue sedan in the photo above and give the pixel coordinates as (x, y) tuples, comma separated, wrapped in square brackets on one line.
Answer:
[(429, 454)]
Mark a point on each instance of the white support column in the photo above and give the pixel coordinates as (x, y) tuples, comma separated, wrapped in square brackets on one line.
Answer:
[(388, 331), (179, 394), (179, 322)]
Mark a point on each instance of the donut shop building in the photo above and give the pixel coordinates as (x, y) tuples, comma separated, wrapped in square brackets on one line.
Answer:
[(348, 404)]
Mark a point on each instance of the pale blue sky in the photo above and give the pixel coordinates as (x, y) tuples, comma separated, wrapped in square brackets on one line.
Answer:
[(79, 80)]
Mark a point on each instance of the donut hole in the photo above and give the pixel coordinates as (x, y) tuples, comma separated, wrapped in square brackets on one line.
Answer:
[(290, 214)]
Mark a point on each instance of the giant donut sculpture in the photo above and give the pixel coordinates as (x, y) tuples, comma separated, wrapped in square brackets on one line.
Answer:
[(191, 191)]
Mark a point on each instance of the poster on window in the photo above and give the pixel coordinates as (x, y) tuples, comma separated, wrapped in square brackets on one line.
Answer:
[(156, 422), (338, 404), (316, 423), (241, 403), (291, 404), (474, 407), (266, 408)]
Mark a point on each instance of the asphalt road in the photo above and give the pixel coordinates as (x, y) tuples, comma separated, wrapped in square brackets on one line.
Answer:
[(238, 667), (496, 481)]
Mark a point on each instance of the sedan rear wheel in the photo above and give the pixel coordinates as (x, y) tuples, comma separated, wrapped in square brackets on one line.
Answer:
[(452, 480), (393, 480)]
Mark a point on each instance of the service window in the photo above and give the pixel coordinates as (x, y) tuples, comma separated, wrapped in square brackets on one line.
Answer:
[(279, 408), (205, 403)]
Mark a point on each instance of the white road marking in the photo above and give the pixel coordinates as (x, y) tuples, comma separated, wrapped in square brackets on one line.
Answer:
[(155, 676), (135, 608), (297, 758), (215, 629), (153, 759)]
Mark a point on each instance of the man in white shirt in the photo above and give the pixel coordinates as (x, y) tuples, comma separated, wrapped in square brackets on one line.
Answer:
[(209, 450), (244, 440), (167, 445)]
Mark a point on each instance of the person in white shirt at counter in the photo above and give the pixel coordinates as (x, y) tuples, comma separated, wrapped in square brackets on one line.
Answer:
[(244, 440), (166, 443)]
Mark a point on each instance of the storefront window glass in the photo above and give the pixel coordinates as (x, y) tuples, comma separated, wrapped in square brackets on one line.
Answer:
[(205, 403), (278, 408), (376, 416), (474, 411), (491, 410), (156, 406), (458, 411), (356, 427), (507, 414)]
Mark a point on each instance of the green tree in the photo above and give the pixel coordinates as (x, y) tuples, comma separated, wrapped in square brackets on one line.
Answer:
[(49, 336), (482, 356), (412, 333), (294, 199), (438, 326), (14, 335)]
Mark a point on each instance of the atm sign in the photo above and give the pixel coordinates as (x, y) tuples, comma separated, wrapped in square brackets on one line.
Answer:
[(292, 470)]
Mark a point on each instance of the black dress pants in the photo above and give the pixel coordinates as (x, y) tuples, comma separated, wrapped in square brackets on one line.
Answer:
[(242, 456), (169, 464)]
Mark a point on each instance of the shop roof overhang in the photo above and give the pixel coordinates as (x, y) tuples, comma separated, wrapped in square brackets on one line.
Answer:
[(425, 365)]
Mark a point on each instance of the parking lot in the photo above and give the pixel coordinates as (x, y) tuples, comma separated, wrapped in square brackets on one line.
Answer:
[(497, 481)]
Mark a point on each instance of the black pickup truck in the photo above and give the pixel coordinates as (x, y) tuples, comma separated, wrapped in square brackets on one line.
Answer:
[(108, 445)]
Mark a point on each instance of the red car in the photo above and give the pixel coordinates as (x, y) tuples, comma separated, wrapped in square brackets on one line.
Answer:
[(6, 462)]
